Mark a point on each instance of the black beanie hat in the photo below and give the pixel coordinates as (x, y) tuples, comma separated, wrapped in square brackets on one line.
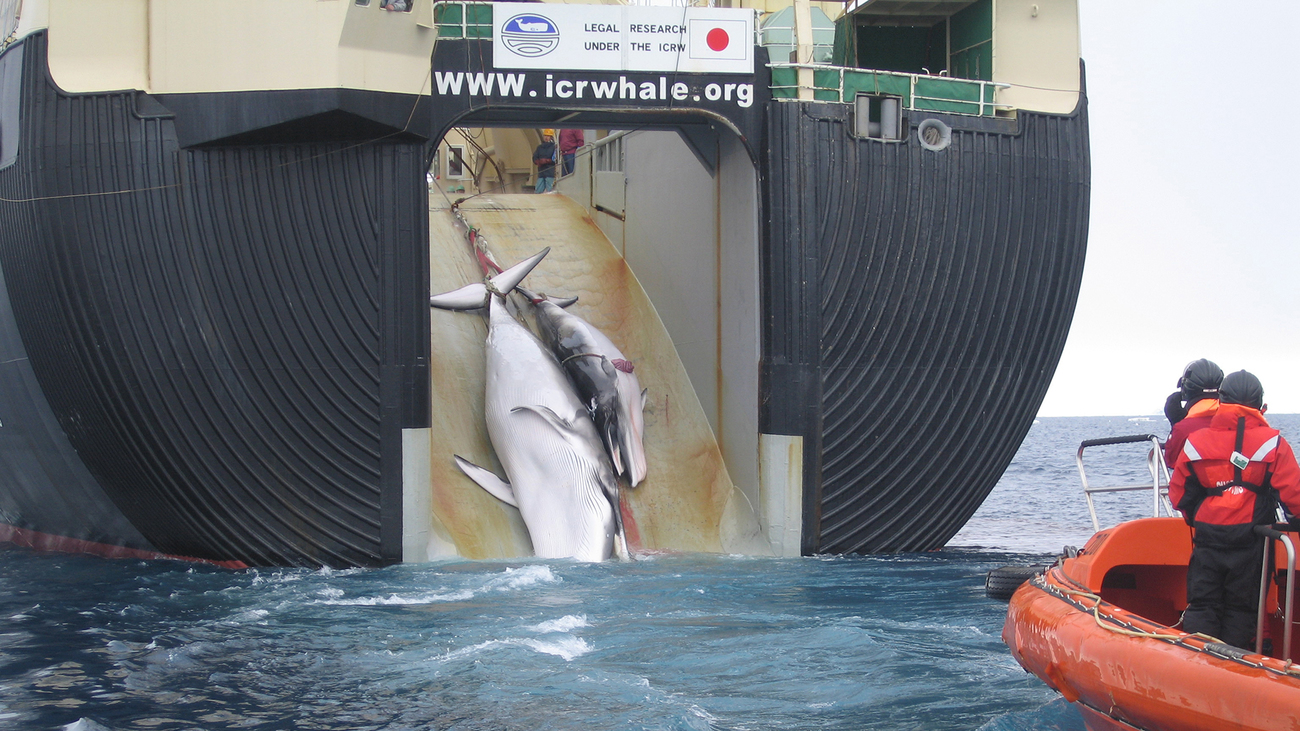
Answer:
[(1200, 380), (1242, 388)]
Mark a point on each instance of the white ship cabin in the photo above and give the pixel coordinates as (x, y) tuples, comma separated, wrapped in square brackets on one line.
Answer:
[(980, 57)]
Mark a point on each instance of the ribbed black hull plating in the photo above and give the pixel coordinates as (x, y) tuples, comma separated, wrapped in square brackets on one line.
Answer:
[(917, 305), (230, 338), (214, 322)]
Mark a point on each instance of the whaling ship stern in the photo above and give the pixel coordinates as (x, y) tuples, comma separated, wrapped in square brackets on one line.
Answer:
[(216, 269)]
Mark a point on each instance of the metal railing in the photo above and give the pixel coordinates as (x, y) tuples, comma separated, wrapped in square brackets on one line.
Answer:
[(1159, 485), (1270, 534), (921, 92)]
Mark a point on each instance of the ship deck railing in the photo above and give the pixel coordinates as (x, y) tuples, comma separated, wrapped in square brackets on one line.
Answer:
[(919, 92), (1158, 486)]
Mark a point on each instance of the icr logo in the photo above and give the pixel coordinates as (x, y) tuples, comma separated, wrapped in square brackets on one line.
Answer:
[(530, 35)]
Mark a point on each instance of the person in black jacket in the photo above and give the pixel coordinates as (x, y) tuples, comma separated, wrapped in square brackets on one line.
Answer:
[(544, 159)]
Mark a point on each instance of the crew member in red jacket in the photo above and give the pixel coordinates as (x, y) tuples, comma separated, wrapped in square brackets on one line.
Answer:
[(1226, 481), (1192, 406)]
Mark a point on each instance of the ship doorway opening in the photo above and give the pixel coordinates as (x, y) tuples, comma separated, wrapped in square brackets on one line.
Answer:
[(676, 208), (951, 38)]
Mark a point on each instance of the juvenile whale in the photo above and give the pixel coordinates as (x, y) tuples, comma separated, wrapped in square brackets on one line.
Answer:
[(557, 472), (605, 379)]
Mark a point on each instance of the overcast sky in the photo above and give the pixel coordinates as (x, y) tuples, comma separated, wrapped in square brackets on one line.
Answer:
[(1192, 245)]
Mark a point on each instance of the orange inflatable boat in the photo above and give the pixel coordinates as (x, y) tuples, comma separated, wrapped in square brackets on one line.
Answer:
[(1099, 627)]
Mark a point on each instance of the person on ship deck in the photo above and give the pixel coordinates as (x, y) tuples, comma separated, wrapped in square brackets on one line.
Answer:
[(544, 159), (1192, 406), (1228, 479)]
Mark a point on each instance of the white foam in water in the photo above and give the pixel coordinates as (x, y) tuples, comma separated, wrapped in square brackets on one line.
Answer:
[(566, 623), (565, 647), (512, 579), (522, 577), (432, 597), (251, 615), (85, 724), (277, 577)]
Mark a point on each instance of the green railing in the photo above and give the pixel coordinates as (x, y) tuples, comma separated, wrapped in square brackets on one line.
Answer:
[(918, 91)]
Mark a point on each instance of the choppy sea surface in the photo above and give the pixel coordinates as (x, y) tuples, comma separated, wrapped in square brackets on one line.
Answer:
[(689, 642)]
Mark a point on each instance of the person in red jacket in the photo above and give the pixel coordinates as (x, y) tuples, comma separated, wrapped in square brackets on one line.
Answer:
[(570, 141), (1192, 406), (1227, 480)]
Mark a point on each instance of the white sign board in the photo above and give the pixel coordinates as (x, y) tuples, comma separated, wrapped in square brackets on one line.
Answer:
[(622, 38)]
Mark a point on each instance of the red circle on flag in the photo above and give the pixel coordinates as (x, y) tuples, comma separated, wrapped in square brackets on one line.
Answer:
[(717, 39)]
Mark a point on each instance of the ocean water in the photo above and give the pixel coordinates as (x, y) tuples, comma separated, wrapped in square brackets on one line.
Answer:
[(686, 642)]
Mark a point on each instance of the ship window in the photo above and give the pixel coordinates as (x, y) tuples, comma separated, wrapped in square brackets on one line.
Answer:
[(877, 116), (455, 161)]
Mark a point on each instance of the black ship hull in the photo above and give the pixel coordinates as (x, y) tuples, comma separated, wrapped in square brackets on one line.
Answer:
[(215, 327), (917, 305), (211, 345)]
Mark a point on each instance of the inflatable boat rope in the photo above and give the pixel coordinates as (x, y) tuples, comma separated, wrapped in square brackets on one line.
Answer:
[(1290, 668)]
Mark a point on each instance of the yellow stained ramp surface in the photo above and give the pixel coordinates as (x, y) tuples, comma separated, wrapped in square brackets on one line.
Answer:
[(683, 504)]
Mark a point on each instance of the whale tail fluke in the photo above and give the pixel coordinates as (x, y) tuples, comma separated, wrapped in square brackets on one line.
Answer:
[(537, 298), (470, 297), (510, 278), (475, 296)]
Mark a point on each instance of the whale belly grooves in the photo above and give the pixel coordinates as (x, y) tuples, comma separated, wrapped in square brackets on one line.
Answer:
[(553, 464)]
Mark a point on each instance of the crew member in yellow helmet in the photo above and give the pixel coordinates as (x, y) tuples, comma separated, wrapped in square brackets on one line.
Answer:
[(544, 159)]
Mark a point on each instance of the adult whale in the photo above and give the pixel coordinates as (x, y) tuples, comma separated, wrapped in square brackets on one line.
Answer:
[(557, 472), (604, 378)]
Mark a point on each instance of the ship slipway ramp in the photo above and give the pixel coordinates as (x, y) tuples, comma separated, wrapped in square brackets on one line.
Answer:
[(687, 501)]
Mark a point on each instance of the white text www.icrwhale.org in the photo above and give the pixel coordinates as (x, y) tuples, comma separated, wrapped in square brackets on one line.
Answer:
[(483, 83)]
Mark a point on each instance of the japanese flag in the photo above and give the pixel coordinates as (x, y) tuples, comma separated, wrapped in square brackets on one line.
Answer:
[(719, 39)]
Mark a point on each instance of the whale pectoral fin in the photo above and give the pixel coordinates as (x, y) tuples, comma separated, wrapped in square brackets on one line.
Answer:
[(620, 532), (562, 302), (469, 297), (614, 448), (486, 479), (559, 423), (644, 391)]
